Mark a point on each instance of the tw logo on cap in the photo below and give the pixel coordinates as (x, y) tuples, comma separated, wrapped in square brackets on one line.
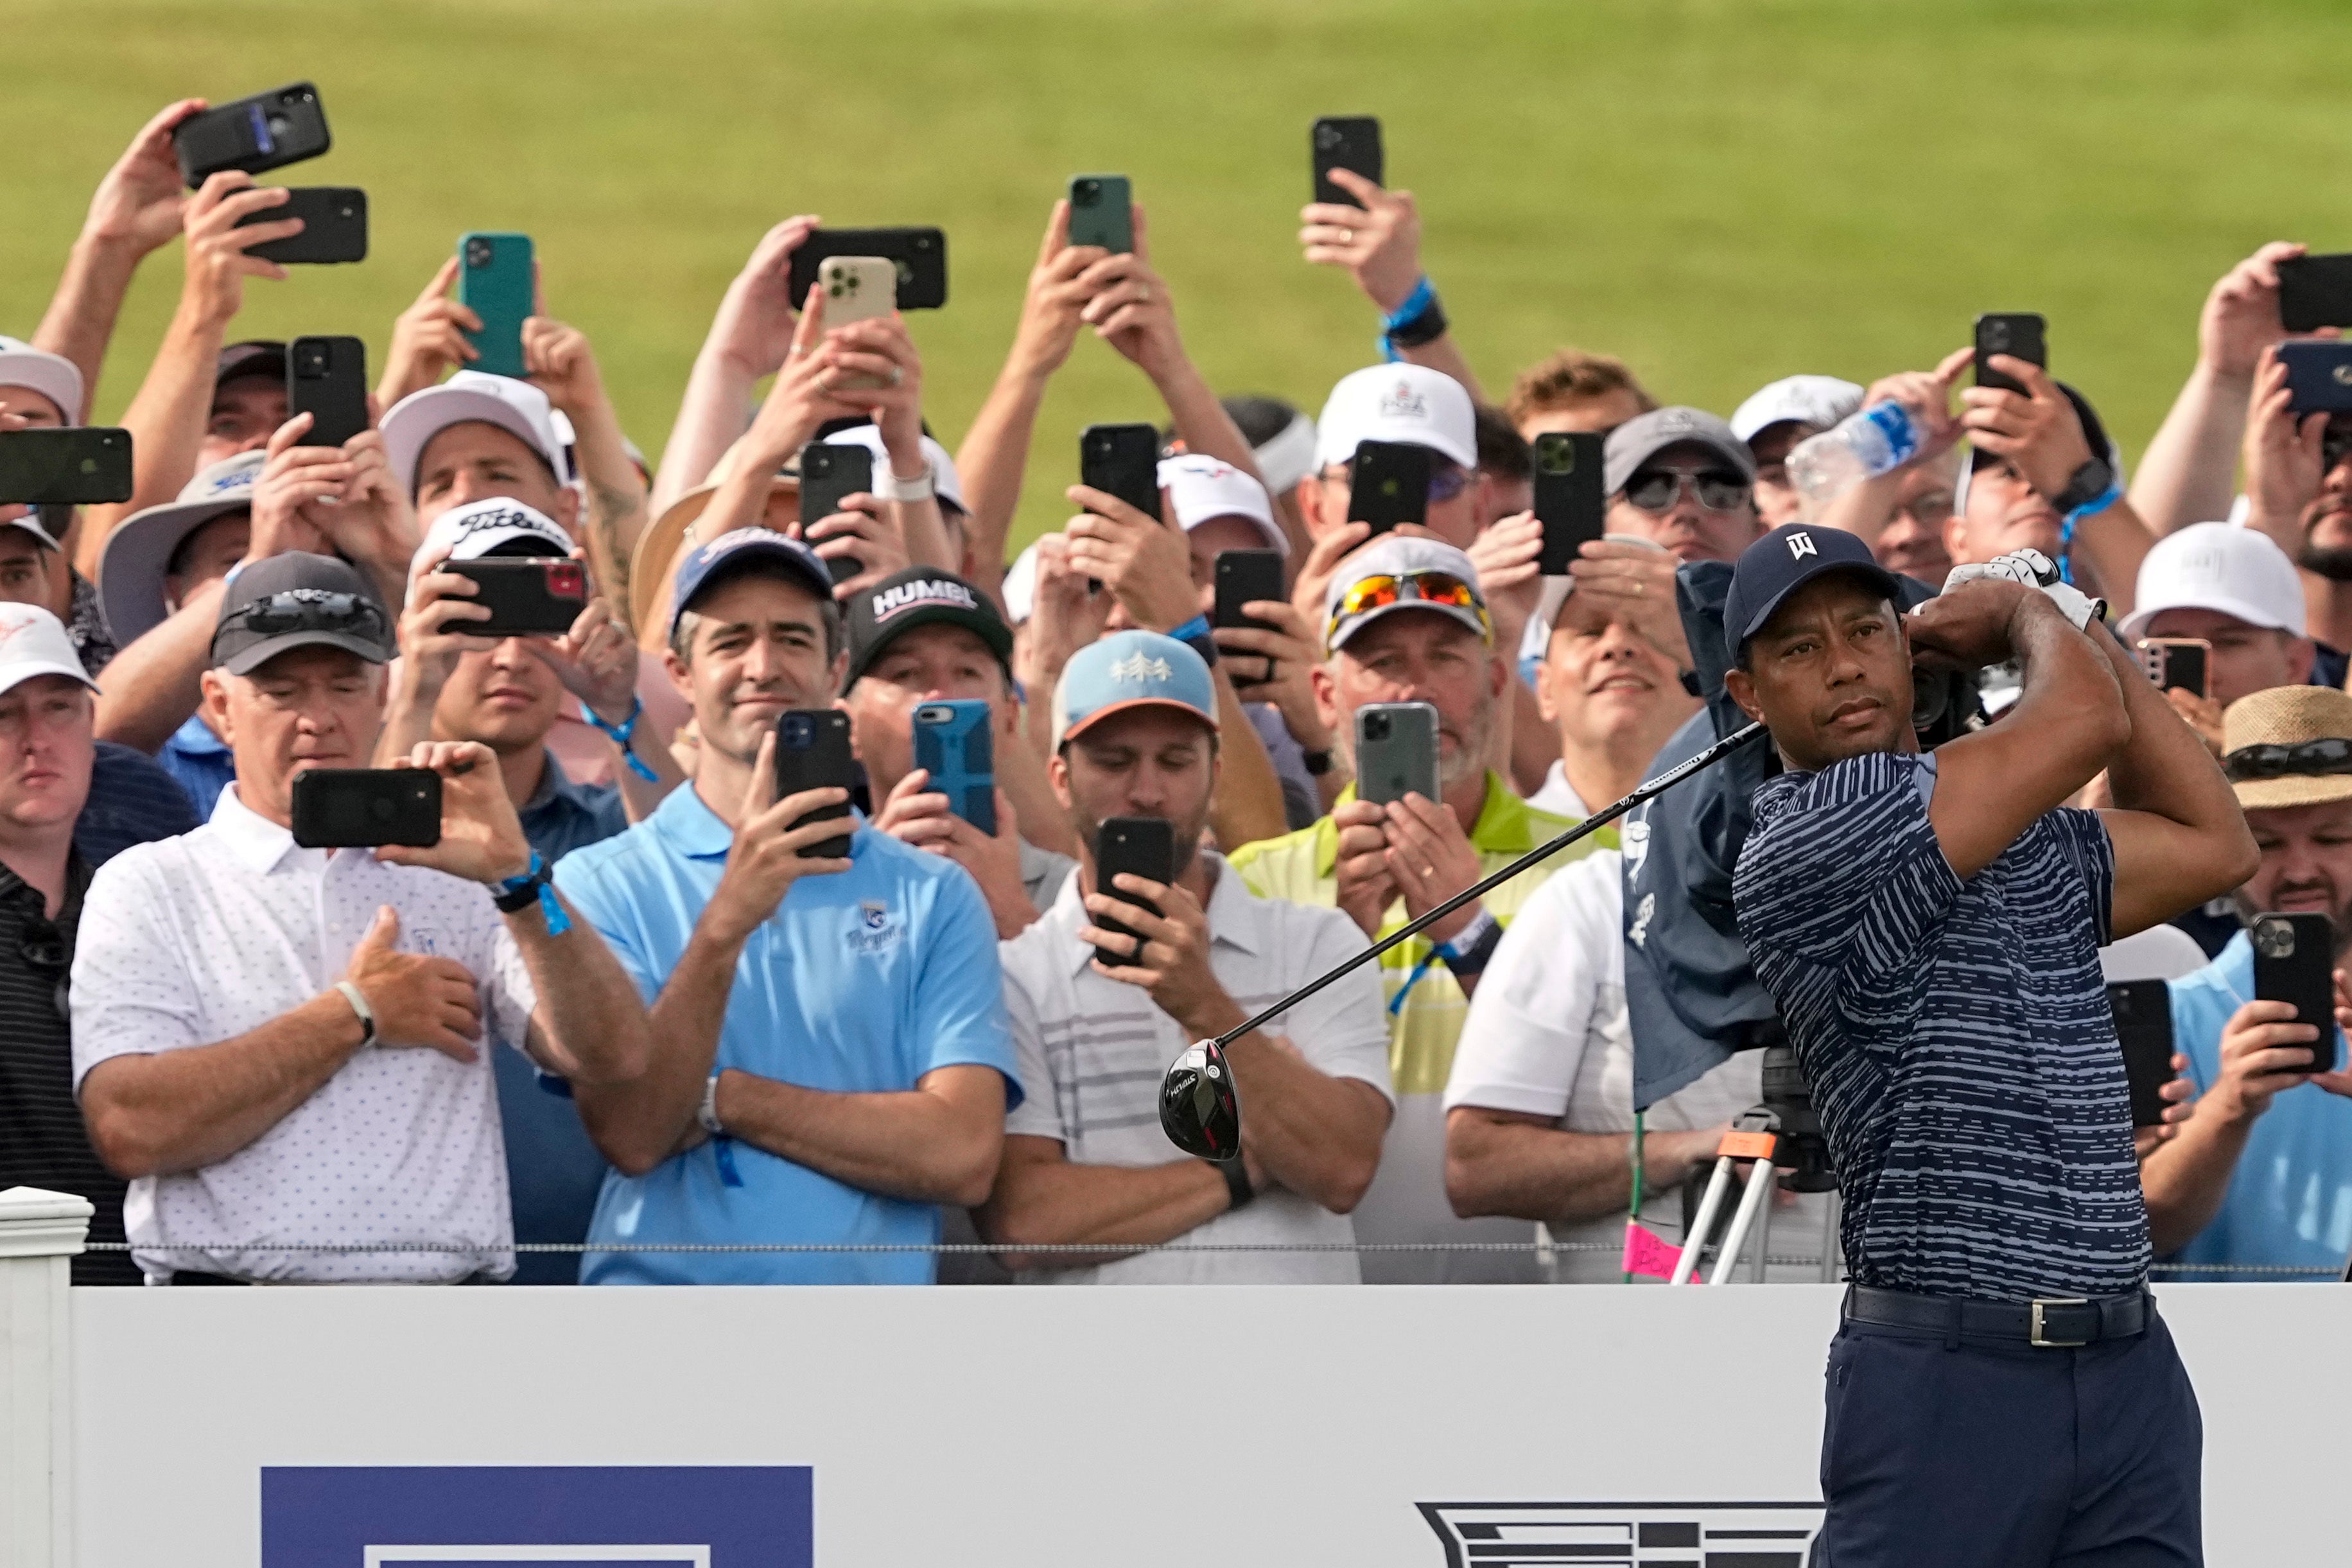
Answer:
[(1801, 545)]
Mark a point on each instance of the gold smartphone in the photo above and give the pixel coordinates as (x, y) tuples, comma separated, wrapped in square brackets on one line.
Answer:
[(857, 288)]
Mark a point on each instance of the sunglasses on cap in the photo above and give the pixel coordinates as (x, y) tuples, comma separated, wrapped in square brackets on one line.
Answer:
[(1656, 489), (2332, 755), (1381, 590), (310, 610)]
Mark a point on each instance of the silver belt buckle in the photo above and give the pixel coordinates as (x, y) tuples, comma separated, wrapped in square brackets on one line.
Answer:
[(2036, 1337)]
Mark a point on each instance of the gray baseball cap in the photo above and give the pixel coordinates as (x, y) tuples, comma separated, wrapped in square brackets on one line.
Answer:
[(1639, 439), (297, 600), (1389, 569)]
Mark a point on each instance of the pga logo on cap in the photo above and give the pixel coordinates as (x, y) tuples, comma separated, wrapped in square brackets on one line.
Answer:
[(1402, 402)]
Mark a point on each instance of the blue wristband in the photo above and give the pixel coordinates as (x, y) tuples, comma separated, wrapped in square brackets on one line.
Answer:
[(1416, 305), (2092, 507), (621, 735), (537, 880), (1198, 627)]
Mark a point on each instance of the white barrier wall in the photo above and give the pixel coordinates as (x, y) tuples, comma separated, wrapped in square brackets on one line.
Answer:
[(1141, 1429)]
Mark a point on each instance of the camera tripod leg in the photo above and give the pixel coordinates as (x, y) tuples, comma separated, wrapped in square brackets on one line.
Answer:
[(1760, 1259), (1703, 1222), (1759, 1192)]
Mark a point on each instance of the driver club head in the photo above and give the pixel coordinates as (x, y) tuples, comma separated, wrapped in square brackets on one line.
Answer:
[(1198, 1108)]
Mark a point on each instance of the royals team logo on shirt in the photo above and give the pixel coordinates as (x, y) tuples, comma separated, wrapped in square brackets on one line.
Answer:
[(875, 932), (1624, 1534)]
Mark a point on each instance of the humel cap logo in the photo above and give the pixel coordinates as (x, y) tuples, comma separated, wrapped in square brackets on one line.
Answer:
[(1801, 545), (927, 591), (1401, 402), (1141, 667)]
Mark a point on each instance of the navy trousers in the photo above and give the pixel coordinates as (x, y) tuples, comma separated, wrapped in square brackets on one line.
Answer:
[(1970, 1456)]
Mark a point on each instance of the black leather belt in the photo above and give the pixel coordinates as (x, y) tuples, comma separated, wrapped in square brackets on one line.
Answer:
[(196, 1276), (2049, 1322)]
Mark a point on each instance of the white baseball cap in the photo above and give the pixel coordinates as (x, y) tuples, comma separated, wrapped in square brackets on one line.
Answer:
[(53, 376), (34, 642), (139, 553), (945, 482), (2213, 566), (493, 526), (1200, 488), (1410, 403), (515, 406), (1820, 401)]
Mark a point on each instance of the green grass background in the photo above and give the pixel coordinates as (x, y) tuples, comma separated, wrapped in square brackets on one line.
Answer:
[(1722, 193)]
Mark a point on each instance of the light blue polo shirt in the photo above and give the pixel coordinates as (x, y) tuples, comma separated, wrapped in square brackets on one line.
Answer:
[(860, 983), (2290, 1198)]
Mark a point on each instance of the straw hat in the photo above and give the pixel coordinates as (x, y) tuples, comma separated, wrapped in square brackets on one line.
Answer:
[(657, 546), (2290, 745)]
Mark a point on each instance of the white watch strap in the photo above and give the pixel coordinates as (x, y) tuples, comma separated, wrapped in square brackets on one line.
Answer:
[(708, 1111), (889, 486), (358, 999)]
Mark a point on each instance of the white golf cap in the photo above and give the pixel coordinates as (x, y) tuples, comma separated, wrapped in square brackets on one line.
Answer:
[(945, 481), (1200, 488), (34, 642), (1408, 402), (515, 406), (2212, 567), (1019, 588), (53, 376), (493, 526), (139, 553), (1820, 401)]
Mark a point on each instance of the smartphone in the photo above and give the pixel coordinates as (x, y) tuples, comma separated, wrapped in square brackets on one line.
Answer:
[(529, 596), (2143, 1011), (1570, 500), (1396, 752), (1245, 576), (1124, 461), (2316, 291), (268, 131), (2018, 336), (1101, 211), (2176, 661), (327, 379), (920, 256), (857, 288), (361, 808), (334, 226), (2294, 961), (2318, 376), (496, 281), (954, 743), (77, 466), (830, 474), (812, 751), (1345, 142), (1135, 845), (1387, 483)]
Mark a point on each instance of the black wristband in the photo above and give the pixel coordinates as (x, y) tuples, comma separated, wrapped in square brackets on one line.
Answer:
[(1480, 954), (1425, 328), (1317, 762), (1238, 1191), (522, 893), (1205, 644)]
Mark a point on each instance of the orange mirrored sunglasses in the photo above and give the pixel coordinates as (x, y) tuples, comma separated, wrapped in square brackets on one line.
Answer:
[(1378, 592)]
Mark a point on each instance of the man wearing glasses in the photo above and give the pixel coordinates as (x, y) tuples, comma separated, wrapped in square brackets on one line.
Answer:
[(2299, 491), (280, 1045), (1406, 622)]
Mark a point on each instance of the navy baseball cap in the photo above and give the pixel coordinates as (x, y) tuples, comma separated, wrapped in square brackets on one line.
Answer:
[(730, 552), (1784, 561)]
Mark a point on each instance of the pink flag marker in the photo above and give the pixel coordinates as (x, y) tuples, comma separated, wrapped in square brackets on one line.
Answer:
[(1647, 1253)]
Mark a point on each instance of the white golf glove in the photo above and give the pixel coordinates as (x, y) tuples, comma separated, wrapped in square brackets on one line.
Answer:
[(2034, 570)]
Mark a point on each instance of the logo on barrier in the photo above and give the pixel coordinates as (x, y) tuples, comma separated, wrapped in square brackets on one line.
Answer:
[(1624, 1534), (652, 1516)]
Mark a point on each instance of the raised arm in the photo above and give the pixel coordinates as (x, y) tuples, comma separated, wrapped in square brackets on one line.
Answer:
[(1380, 244), (2185, 475), (148, 690), (1133, 310), (561, 365)]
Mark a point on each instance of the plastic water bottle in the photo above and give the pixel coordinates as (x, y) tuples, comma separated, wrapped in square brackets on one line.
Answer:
[(1823, 468)]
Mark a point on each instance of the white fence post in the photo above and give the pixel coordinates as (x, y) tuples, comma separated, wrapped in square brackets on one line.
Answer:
[(39, 1234)]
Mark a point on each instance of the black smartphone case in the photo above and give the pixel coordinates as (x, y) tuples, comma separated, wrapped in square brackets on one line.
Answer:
[(268, 131), (921, 255), (2294, 961), (1124, 460), (528, 597), (1102, 212), (2316, 291), (80, 465), (2143, 1013), (2318, 376), (812, 751), (831, 473), (1345, 142), (1570, 502), (327, 379), (362, 808), (2175, 664), (1243, 577), (1136, 846), (1387, 483), (334, 226), (2020, 336)]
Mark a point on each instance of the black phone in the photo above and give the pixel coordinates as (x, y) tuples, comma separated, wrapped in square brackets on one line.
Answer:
[(921, 255), (268, 131), (1102, 212), (2294, 961), (2318, 376), (334, 226), (1139, 847), (1124, 461), (2316, 291), (83, 466), (812, 751), (361, 808), (1387, 483), (2143, 1012), (830, 474), (2018, 335), (327, 379), (2176, 661), (1345, 142), (1243, 577), (1396, 752), (1570, 500), (529, 596)]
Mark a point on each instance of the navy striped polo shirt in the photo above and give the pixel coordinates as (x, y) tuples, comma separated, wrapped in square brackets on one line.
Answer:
[(1957, 1034)]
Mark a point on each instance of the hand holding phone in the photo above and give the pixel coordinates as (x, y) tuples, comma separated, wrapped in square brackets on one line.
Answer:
[(268, 131), (857, 289), (1102, 212), (1570, 500), (1135, 845), (1344, 142), (920, 257), (499, 281), (1122, 460), (366, 808), (2176, 662), (831, 472), (812, 751), (2020, 336), (2294, 961), (1396, 752), (327, 379), (955, 743), (80, 465), (2314, 291), (334, 226), (1387, 483), (528, 596)]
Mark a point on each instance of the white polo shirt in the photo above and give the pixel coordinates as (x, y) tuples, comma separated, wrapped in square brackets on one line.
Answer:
[(1093, 1051), (198, 939)]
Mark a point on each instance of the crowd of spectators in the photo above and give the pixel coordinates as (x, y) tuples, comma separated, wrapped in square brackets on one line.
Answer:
[(635, 1003)]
